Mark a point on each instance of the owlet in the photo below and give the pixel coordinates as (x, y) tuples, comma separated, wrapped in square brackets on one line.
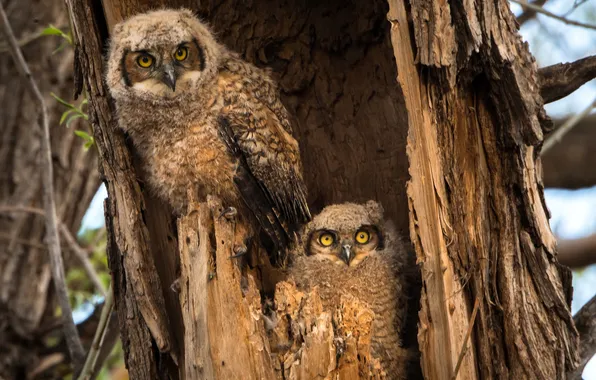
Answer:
[(348, 249), (203, 119)]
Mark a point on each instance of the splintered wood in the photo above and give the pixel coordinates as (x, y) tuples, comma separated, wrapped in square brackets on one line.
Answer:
[(478, 219), (221, 306), (311, 343), (229, 336)]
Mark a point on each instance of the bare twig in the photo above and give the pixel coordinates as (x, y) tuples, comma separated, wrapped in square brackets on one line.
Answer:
[(464, 348), (98, 339), (53, 239), (70, 240), (529, 14), (560, 80), (26, 39), (585, 322), (563, 129), (73, 341), (538, 9), (576, 4), (84, 259)]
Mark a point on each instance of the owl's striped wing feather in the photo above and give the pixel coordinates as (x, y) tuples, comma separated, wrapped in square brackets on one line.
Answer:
[(268, 175)]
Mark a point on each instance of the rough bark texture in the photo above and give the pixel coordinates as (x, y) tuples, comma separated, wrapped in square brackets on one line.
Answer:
[(570, 163), (25, 278), (477, 214), (558, 81)]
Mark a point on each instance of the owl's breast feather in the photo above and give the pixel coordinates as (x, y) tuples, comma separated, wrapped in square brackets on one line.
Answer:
[(192, 157)]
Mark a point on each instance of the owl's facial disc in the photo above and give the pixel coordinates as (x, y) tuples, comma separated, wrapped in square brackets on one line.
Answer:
[(347, 247), (164, 71)]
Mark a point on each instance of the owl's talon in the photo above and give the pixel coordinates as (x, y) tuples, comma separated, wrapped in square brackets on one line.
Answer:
[(239, 251), (229, 213), (175, 287)]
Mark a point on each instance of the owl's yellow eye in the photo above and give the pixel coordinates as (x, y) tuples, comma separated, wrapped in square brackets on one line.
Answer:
[(326, 239), (145, 61), (181, 53), (362, 237)]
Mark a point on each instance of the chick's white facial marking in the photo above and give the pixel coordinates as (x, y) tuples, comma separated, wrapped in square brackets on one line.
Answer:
[(163, 54)]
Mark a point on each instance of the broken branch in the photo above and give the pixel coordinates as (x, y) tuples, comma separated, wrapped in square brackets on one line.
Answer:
[(71, 334), (558, 81)]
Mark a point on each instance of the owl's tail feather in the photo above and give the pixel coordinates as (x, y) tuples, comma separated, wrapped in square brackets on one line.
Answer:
[(270, 219)]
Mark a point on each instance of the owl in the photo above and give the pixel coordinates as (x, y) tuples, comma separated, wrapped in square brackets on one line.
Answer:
[(203, 119), (348, 249)]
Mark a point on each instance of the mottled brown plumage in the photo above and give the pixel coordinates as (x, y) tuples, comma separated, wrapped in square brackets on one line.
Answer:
[(201, 118), (373, 272)]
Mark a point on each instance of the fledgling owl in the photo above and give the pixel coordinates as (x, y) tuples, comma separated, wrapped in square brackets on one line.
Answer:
[(349, 249), (201, 118)]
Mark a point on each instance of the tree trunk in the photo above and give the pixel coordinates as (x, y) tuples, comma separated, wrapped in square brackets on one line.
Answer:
[(495, 301), (26, 284), (477, 216)]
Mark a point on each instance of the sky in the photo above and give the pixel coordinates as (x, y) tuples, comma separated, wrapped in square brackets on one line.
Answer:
[(573, 212)]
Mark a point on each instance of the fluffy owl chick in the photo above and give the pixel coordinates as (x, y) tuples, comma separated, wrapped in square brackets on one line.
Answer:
[(348, 249), (201, 118)]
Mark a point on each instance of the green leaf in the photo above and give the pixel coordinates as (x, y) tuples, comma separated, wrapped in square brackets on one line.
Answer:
[(51, 31), (88, 144), (60, 47), (73, 118), (68, 37), (65, 115), (84, 135), (62, 101)]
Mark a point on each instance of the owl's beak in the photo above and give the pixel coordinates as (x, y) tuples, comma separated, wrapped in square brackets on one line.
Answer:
[(346, 254), (169, 76)]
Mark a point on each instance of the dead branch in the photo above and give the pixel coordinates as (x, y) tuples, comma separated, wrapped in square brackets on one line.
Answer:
[(563, 129), (70, 240), (538, 9), (585, 322), (98, 339), (558, 81), (578, 253), (75, 347), (529, 14)]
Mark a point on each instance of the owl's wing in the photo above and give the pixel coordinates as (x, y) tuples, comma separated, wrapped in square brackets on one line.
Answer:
[(268, 176)]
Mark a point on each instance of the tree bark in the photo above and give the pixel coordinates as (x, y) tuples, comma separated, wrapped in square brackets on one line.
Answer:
[(477, 215), (25, 287)]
